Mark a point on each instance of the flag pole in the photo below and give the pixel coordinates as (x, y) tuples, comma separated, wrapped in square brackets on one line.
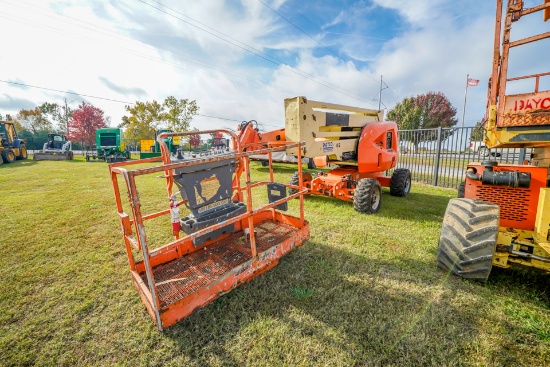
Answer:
[(465, 95)]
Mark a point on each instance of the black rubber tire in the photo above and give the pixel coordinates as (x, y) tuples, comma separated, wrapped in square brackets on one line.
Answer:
[(467, 241), (8, 155), (71, 155), (265, 163), (400, 184), (461, 189), (311, 164), (1, 161), (306, 177), (367, 198), (23, 154)]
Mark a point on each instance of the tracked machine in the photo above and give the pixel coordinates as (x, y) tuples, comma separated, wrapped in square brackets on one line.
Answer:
[(223, 239), (354, 140), (502, 216), (57, 148)]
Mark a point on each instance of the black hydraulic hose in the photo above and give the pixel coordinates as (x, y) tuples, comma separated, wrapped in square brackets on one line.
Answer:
[(499, 178), (470, 173)]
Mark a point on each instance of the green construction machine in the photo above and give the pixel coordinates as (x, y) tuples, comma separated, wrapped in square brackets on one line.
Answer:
[(151, 148), (110, 146)]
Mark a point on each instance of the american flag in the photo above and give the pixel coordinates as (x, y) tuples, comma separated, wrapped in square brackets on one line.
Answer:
[(472, 82)]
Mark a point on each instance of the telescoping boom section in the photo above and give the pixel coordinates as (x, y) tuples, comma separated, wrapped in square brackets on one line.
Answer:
[(222, 238)]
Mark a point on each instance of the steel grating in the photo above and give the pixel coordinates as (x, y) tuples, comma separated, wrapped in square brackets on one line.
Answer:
[(270, 233), (181, 277)]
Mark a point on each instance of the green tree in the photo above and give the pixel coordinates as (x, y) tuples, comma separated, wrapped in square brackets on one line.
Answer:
[(58, 115), (406, 114), (178, 114), (33, 120), (145, 118), (478, 132)]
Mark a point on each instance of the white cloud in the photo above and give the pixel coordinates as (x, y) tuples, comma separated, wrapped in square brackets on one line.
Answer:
[(440, 42), (414, 12)]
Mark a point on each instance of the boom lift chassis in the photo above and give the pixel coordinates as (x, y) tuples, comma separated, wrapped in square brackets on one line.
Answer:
[(227, 242)]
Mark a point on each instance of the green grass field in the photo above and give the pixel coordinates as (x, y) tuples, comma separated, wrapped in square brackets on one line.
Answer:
[(363, 291)]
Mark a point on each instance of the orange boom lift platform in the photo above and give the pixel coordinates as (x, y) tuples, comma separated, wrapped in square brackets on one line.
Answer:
[(227, 241)]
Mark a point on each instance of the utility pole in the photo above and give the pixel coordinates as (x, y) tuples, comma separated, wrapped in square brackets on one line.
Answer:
[(380, 93)]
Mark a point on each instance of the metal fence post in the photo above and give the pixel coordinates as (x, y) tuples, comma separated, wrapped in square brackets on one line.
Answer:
[(522, 155), (438, 156)]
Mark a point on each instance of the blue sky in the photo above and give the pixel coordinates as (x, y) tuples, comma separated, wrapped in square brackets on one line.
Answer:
[(240, 58)]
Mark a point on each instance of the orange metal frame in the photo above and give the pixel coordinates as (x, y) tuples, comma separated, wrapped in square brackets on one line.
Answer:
[(373, 158), (176, 279), (518, 206), (499, 77)]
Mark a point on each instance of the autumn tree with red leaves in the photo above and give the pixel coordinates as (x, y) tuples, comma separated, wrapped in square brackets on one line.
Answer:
[(85, 121), (194, 140), (425, 111)]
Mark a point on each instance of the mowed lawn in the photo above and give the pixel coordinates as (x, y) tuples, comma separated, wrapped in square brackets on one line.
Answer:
[(363, 291)]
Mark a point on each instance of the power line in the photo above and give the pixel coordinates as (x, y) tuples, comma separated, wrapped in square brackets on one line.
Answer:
[(61, 91), (248, 48), (102, 98), (307, 34), (135, 53), (219, 118), (208, 65), (338, 56), (298, 28)]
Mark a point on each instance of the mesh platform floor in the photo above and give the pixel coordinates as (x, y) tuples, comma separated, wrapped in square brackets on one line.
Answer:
[(181, 277)]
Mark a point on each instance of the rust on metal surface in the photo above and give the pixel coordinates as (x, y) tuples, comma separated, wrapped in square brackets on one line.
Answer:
[(179, 277)]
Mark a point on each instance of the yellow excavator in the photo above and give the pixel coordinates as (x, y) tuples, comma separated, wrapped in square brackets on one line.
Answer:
[(502, 216)]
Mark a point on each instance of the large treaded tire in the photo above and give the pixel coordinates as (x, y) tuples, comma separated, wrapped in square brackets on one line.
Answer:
[(467, 242), (8, 155), (367, 198), (461, 190), (294, 180), (22, 152), (400, 184)]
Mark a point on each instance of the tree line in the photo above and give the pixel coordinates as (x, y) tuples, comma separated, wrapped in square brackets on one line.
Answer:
[(144, 119), (79, 124)]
